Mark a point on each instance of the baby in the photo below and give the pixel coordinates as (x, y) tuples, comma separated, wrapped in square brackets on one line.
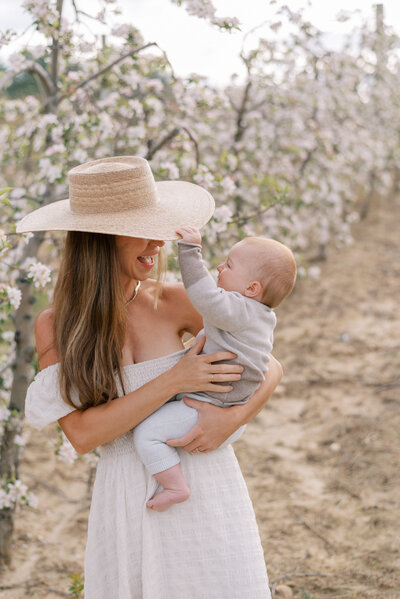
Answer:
[(238, 316)]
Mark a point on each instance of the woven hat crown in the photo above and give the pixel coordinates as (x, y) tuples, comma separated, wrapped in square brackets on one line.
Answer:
[(111, 185)]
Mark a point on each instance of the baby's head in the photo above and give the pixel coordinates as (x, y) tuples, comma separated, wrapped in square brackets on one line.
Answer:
[(259, 268)]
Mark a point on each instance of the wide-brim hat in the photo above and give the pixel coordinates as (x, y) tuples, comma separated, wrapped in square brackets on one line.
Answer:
[(119, 196)]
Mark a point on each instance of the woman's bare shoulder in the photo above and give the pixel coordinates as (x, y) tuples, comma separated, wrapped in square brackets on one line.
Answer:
[(44, 324), (171, 292), (174, 293), (173, 289), (180, 306), (44, 336)]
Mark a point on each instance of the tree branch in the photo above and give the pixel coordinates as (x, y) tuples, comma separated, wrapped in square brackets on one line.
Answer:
[(169, 64), (152, 150), (9, 365), (307, 159), (195, 143), (316, 532), (240, 129), (242, 219), (36, 69), (105, 69), (78, 12), (54, 57)]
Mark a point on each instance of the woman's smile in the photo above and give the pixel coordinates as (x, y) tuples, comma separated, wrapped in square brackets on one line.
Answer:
[(147, 260), (137, 256)]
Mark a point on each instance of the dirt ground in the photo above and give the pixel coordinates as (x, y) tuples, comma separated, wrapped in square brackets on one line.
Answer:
[(321, 460)]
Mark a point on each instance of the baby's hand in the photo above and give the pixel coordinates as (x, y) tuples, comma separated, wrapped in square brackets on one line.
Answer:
[(190, 234)]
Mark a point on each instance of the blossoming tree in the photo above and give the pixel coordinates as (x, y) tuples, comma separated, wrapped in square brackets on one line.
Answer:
[(112, 102), (287, 153)]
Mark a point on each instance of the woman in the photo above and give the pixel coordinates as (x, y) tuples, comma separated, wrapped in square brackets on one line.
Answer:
[(104, 342)]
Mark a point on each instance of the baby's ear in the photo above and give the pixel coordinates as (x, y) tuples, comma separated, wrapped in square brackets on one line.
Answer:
[(253, 289)]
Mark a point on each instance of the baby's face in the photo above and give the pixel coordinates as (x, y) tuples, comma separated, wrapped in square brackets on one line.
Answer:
[(234, 273)]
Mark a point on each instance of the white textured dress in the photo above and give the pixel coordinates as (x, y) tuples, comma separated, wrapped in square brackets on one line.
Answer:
[(205, 548)]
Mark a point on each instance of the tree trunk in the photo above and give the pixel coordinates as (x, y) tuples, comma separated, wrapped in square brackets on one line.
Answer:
[(25, 349), (6, 530), (366, 204)]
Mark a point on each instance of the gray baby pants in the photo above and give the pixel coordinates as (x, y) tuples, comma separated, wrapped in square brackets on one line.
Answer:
[(172, 420)]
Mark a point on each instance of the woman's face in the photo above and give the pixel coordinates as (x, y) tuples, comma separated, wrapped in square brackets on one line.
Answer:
[(137, 256)]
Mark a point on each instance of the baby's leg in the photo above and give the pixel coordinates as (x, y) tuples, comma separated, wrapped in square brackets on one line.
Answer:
[(175, 489), (172, 420)]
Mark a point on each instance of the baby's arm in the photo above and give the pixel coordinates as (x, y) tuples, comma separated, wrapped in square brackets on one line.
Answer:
[(223, 309)]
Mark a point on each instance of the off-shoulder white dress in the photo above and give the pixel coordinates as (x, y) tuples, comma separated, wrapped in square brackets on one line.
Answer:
[(205, 548)]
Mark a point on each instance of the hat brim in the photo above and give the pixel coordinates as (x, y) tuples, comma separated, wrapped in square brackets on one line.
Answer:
[(180, 203)]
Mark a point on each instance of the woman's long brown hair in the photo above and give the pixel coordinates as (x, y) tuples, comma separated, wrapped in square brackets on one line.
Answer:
[(89, 318)]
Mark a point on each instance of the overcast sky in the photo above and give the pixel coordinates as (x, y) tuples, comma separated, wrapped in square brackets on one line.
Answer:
[(194, 46)]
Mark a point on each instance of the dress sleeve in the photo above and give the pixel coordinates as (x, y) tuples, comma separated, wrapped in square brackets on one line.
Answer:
[(44, 403)]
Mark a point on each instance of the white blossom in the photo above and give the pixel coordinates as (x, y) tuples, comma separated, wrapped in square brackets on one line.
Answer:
[(66, 453), (223, 214), (17, 492), (121, 30), (353, 217), (47, 119), (39, 273), (171, 168), (204, 177), (37, 51), (218, 227), (14, 296), (32, 500), (154, 104), (55, 149), (232, 162), (19, 440), (228, 185), (17, 192), (249, 230), (204, 9), (4, 413), (91, 459), (27, 237), (314, 272), (49, 170), (80, 155), (5, 499), (8, 336), (17, 61)]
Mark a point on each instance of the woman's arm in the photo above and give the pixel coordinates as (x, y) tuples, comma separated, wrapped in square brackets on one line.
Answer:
[(216, 424), (101, 424)]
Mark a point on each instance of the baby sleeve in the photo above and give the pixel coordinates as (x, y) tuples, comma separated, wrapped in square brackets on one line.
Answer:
[(226, 310), (44, 403)]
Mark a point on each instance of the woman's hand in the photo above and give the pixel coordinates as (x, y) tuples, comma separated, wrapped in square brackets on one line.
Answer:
[(196, 372), (216, 424), (213, 427)]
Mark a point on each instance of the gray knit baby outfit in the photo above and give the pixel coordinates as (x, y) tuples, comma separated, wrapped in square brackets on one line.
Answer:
[(232, 322)]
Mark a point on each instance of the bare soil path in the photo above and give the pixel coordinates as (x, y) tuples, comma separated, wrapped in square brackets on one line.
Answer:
[(321, 461)]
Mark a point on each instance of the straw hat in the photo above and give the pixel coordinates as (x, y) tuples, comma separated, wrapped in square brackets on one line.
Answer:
[(119, 196)]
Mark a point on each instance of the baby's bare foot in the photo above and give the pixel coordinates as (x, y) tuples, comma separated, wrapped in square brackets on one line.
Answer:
[(162, 501)]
